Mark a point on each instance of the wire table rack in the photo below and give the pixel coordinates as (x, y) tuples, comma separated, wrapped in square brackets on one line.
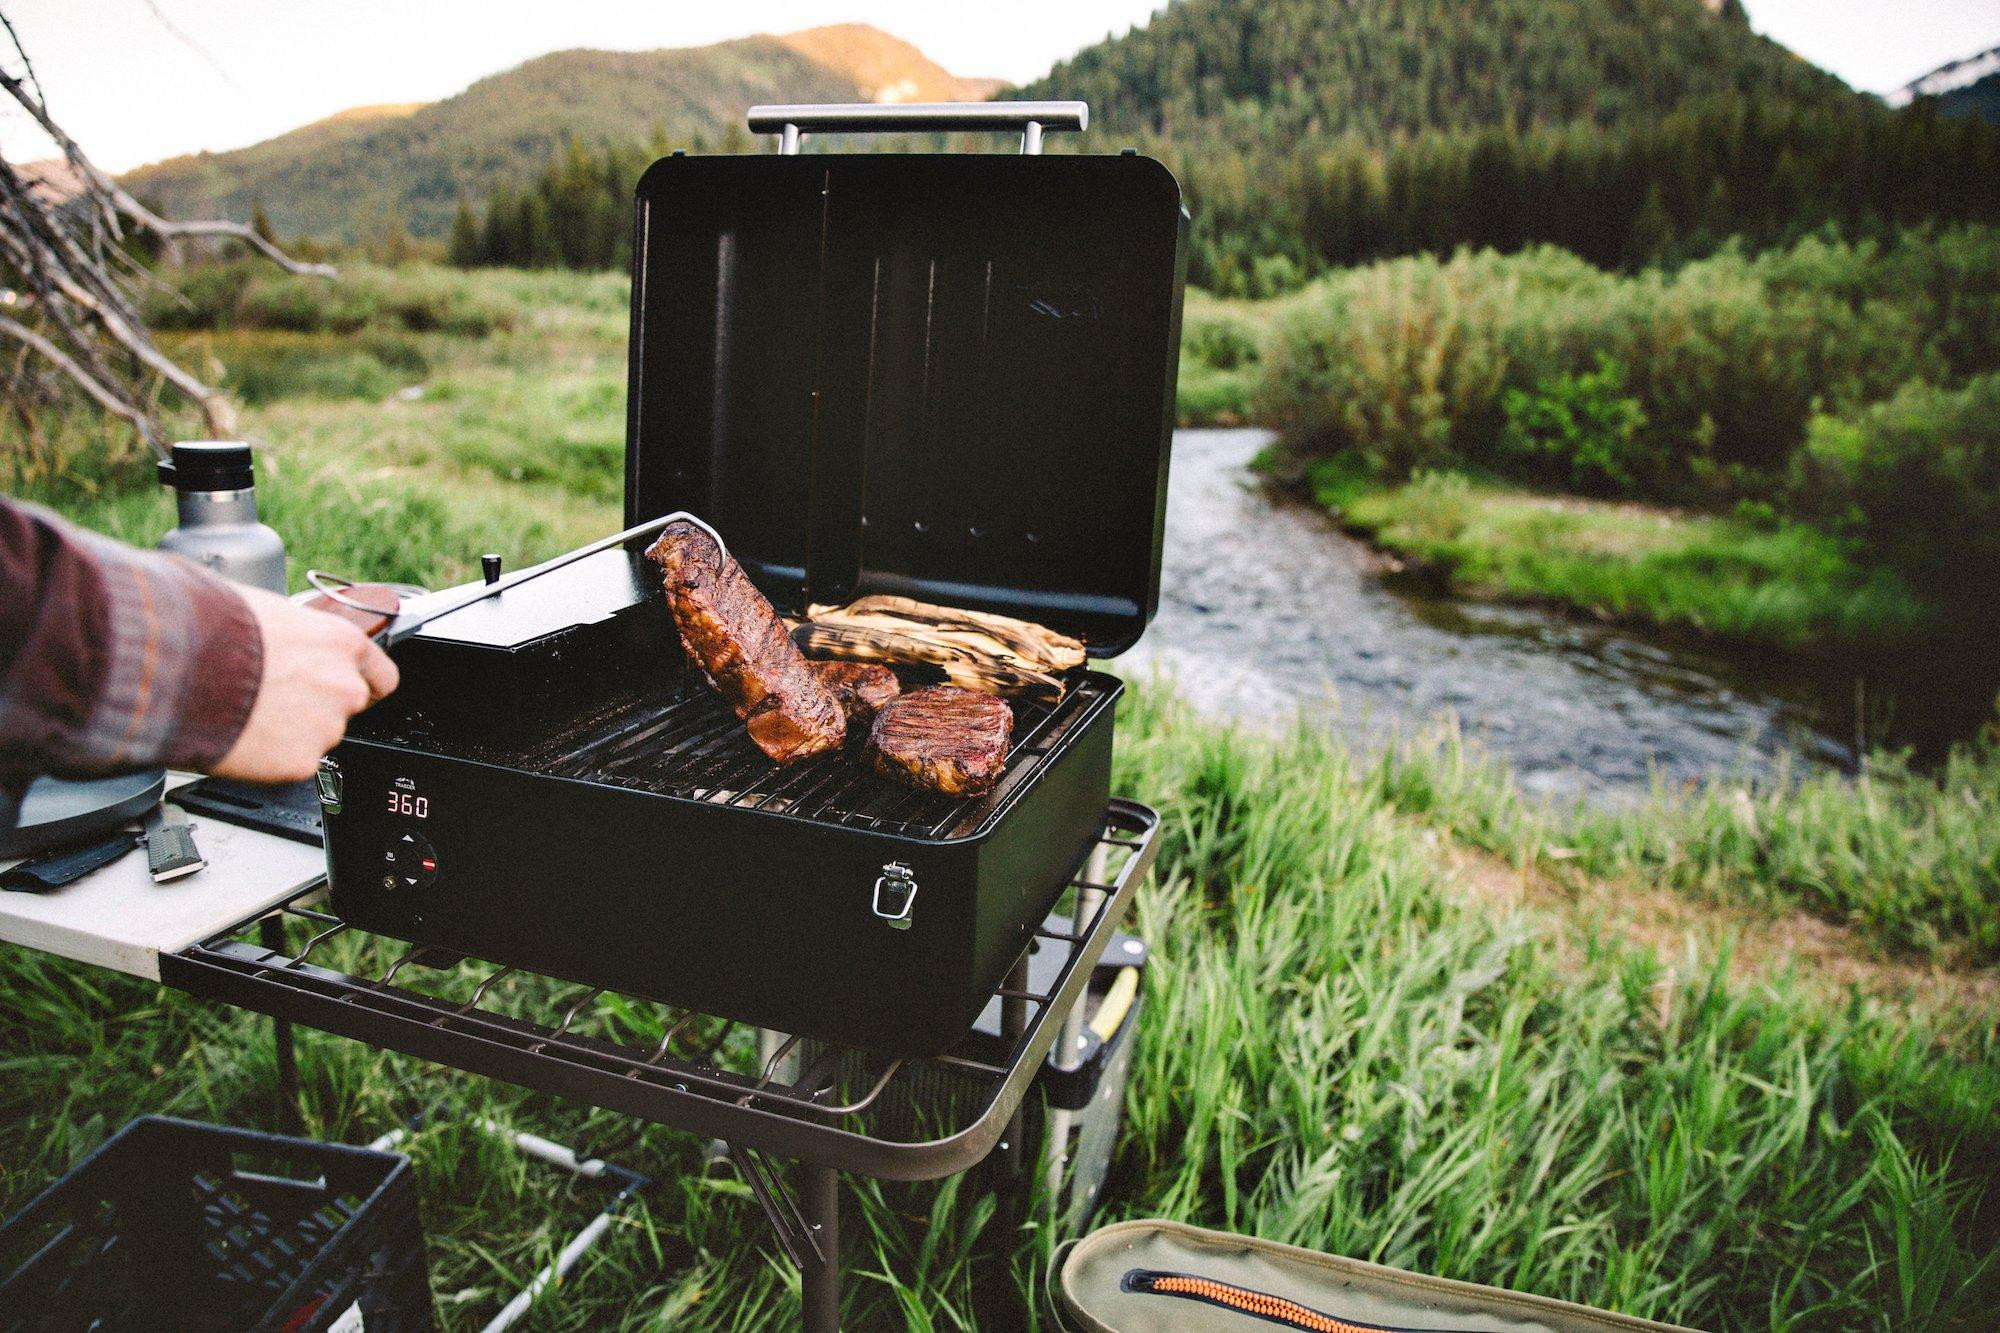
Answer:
[(826, 1108)]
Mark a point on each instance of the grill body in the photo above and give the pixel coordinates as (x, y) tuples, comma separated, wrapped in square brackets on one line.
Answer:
[(574, 804), (949, 377)]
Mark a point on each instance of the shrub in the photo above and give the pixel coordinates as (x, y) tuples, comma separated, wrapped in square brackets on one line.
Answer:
[(1208, 397), (1729, 358), (1398, 361), (1916, 481), (1223, 344), (250, 294), (1582, 429)]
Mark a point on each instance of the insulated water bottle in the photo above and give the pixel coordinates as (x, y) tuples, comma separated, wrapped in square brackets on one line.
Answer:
[(215, 490)]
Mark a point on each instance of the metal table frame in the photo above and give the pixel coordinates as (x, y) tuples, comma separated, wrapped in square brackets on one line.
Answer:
[(825, 1108)]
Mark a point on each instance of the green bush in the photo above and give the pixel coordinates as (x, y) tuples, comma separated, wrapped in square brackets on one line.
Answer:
[(1207, 397), (1916, 481), (253, 295), (1729, 358), (1223, 344), (200, 297), (1398, 361), (1582, 429)]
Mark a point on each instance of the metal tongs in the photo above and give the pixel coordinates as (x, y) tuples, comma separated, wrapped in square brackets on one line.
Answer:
[(389, 615)]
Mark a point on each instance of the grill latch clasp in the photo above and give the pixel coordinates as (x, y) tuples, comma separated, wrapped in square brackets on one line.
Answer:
[(896, 894), (330, 784)]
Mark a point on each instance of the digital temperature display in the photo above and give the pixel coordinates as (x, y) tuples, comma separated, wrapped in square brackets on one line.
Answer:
[(409, 803)]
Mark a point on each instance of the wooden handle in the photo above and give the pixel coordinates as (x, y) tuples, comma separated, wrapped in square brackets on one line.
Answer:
[(381, 601)]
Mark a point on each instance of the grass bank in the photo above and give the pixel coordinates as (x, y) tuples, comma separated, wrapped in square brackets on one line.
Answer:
[(397, 444), (1908, 860), (1773, 584)]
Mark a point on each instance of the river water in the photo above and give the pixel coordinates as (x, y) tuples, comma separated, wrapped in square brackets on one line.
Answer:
[(1267, 608)]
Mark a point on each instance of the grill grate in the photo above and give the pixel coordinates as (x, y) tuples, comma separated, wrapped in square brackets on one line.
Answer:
[(690, 745)]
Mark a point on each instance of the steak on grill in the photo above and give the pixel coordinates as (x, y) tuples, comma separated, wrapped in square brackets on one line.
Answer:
[(943, 739), (733, 633), (861, 687)]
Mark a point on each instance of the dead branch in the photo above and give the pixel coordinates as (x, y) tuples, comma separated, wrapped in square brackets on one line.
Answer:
[(82, 378), (69, 257), (167, 230)]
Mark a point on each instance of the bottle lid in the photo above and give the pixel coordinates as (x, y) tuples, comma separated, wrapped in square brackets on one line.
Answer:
[(209, 465)]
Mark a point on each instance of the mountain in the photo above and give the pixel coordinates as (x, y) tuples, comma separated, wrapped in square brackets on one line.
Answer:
[(885, 68), (1268, 73), (1979, 98), (349, 174), (1968, 87), (1315, 134)]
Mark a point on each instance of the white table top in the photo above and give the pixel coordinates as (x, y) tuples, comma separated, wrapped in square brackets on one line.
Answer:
[(117, 917)]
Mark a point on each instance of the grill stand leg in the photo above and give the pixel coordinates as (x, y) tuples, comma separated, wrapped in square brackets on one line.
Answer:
[(1014, 1022), (1088, 901), (291, 1120), (807, 1228), (820, 1275)]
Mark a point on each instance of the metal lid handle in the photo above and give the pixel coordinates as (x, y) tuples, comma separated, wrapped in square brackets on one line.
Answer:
[(1033, 119)]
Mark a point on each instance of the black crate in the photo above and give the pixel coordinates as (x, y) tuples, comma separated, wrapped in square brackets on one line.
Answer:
[(178, 1225)]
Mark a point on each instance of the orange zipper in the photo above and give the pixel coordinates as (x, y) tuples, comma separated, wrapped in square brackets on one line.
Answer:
[(1243, 1300)]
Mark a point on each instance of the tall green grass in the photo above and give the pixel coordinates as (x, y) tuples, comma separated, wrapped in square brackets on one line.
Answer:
[(1340, 1051), (1780, 584), (1908, 858), (1347, 1056)]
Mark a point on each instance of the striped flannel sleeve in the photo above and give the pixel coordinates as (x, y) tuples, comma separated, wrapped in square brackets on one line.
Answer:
[(114, 659)]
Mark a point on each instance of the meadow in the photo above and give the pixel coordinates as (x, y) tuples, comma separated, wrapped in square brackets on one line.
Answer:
[(1364, 1033)]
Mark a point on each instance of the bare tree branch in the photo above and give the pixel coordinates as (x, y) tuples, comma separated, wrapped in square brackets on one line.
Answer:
[(122, 202), (82, 378), (161, 227), (70, 257)]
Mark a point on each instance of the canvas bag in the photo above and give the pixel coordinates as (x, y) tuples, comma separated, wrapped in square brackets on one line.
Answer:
[(1108, 1283)]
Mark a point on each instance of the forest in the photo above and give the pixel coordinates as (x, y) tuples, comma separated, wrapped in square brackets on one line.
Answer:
[(1731, 166)]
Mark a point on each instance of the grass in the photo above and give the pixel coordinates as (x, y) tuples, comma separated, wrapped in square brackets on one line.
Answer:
[(405, 454), (1342, 1051), (1342, 1048), (1786, 586), (1909, 860)]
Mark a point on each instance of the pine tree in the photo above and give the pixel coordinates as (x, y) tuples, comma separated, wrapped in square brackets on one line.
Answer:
[(499, 240), (260, 222), (537, 239), (465, 240), (1651, 235)]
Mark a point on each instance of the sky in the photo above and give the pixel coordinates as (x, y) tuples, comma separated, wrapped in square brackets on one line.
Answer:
[(134, 81)]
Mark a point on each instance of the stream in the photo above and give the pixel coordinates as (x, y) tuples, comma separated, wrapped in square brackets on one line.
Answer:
[(1267, 608)]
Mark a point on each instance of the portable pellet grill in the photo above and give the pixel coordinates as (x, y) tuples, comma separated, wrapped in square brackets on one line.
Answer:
[(945, 376)]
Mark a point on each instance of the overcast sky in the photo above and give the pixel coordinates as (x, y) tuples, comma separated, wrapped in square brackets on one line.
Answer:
[(138, 80)]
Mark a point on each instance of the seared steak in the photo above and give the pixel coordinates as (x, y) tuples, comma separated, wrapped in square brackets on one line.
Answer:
[(942, 738), (861, 688), (731, 631)]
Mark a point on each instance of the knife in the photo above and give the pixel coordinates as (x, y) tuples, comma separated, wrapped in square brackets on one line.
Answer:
[(170, 849), (389, 617)]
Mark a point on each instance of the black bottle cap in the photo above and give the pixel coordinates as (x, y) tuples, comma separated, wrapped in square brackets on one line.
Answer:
[(209, 465)]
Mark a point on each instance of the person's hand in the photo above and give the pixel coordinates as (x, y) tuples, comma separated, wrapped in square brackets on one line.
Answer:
[(319, 671)]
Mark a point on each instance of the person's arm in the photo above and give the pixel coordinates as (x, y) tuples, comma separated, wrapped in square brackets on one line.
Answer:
[(114, 659)]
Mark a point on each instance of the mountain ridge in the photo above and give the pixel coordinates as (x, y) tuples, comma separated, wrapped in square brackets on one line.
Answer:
[(369, 168), (1273, 73)]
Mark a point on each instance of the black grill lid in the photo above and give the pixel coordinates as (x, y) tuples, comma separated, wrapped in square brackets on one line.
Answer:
[(950, 377)]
